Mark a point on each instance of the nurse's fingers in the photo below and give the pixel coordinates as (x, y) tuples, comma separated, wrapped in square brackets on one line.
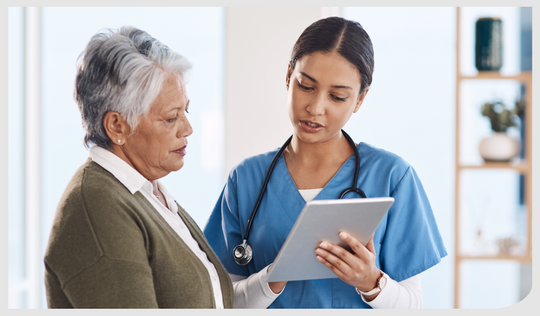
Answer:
[(332, 267), (338, 252), (334, 262), (359, 275), (364, 252)]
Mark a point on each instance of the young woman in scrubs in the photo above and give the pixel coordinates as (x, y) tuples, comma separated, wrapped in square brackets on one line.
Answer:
[(327, 80)]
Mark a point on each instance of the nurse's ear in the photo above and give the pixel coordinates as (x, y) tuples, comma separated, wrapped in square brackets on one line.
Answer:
[(288, 76), (360, 100)]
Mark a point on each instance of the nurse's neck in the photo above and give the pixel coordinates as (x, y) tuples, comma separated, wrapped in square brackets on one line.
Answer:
[(336, 148), (312, 165)]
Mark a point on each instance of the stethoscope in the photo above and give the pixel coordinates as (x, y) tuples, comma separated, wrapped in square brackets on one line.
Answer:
[(243, 253)]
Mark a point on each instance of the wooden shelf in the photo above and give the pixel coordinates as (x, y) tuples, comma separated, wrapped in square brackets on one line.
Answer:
[(522, 166), (496, 257), (524, 76)]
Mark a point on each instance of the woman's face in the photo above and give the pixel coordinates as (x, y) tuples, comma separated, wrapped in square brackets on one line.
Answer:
[(323, 93), (159, 144)]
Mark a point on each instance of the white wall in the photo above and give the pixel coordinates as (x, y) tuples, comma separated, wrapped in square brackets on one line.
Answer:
[(259, 44), (409, 111)]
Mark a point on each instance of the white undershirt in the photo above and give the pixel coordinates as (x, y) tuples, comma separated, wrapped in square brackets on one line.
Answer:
[(134, 182), (252, 292), (309, 194)]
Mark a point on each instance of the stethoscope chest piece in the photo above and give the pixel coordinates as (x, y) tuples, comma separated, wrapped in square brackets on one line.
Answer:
[(242, 253)]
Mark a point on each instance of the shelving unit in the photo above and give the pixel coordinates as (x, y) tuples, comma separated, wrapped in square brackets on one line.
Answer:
[(524, 167)]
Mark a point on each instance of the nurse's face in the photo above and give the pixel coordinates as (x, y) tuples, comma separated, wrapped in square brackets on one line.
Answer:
[(323, 93)]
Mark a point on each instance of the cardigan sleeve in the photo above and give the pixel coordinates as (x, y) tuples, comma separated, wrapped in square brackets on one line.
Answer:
[(97, 253)]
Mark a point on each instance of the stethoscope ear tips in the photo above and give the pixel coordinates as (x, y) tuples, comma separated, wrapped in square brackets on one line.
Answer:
[(242, 254)]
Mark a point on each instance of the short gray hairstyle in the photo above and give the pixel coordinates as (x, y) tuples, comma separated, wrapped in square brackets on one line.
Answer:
[(122, 71)]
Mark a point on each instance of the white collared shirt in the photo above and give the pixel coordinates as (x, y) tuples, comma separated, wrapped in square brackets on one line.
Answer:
[(134, 182)]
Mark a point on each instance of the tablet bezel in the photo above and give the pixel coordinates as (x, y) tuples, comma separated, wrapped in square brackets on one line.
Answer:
[(323, 220)]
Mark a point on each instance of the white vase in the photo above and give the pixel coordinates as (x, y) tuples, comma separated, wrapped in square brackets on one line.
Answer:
[(499, 147)]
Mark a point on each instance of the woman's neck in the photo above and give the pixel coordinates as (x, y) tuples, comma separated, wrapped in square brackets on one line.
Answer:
[(313, 155), (312, 165)]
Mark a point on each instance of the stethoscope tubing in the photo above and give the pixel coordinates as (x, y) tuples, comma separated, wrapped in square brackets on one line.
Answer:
[(263, 188), (245, 249)]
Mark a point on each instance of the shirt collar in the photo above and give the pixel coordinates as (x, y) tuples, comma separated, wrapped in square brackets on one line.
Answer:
[(171, 202), (120, 169), (127, 175)]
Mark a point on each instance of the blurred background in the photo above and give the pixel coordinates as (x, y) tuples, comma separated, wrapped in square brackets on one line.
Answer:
[(424, 105)]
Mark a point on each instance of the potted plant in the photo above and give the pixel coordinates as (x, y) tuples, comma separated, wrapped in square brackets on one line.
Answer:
[(499, 146)]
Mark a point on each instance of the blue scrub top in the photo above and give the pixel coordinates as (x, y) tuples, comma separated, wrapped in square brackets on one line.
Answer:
[(407, 240)]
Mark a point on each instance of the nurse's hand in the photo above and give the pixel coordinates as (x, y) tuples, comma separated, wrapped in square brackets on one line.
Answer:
[(357, 269)]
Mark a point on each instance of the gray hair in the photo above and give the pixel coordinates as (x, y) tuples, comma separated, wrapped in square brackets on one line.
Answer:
[(122, 71)]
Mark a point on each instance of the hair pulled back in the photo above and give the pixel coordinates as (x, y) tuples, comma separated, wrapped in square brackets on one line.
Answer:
[(345, 37)]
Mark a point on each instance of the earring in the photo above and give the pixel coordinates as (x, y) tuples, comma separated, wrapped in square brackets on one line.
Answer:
[(118, 140)]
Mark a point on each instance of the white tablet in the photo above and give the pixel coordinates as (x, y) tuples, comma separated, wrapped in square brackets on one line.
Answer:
[(323, 220)]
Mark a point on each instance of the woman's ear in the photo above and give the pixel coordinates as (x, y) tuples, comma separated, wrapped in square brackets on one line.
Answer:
[(288, 76), (360, 100), (116, 127)]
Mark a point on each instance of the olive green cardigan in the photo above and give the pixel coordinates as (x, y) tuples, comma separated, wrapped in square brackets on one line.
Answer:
[(109, 248)]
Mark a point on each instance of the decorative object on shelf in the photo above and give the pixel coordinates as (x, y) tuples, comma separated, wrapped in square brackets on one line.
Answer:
[(506, 245), (488, 44), (499, 146), (479, 245)]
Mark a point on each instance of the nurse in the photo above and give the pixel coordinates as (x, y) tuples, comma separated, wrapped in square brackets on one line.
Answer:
[(328, 77)]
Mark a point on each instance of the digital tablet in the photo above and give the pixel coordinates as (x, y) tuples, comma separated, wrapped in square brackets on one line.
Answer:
[(323, 220)]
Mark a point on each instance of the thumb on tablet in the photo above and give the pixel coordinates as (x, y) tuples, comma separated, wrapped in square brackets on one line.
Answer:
[(370, 246)]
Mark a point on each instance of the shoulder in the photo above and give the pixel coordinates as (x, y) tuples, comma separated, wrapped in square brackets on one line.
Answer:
[(72, 231), (381, 157), (95, 215), (383, 164), (91, 182), (95, 179), (92, 195), (254, 165), (94, 198)]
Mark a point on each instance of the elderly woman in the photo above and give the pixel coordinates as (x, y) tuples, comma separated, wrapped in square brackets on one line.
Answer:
[(119, 239)]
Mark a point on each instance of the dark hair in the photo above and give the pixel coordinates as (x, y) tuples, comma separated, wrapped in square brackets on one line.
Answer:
[(336, 34)]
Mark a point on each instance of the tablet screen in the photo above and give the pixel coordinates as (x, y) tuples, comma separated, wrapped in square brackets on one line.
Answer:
[(323, 220)]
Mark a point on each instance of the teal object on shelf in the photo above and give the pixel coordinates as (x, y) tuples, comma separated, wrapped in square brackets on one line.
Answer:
[(488, 48)]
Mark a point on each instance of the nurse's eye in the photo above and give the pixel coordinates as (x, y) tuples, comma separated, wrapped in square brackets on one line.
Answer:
[(305, 88), (338, 98)]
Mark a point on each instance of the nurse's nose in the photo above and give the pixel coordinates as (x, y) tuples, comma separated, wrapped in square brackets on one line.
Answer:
[(316, 106)]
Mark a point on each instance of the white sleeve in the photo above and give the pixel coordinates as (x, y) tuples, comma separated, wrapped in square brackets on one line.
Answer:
[(252, 292), (404, 294)]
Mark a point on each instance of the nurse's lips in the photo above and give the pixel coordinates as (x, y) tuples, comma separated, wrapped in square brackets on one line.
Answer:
[(181, 151), (311, 127)]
